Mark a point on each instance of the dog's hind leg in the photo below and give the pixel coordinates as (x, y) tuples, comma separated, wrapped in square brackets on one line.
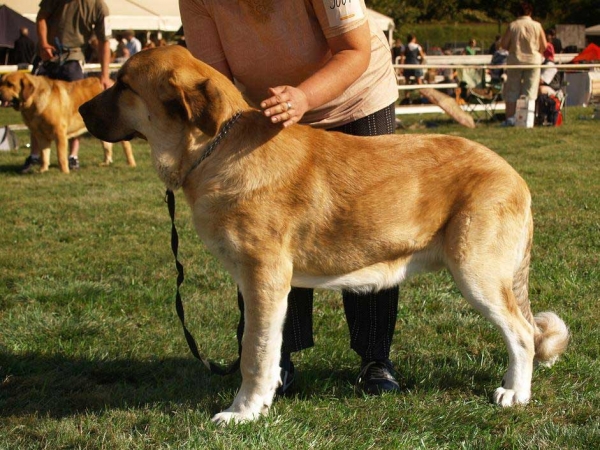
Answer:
[(484, 270), (265, 305), (551, 335), (108, 153), (128, 153), (496, 301)]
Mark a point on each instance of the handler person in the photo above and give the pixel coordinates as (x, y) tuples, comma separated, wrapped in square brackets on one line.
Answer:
[(525, 41), (317, 62), (69, 24)]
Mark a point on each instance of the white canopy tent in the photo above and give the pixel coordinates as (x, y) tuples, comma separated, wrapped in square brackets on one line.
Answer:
[(593, 31), (151, 15), (154, 15)]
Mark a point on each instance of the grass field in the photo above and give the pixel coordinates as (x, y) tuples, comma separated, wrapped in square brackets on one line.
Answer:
[(92, 355)]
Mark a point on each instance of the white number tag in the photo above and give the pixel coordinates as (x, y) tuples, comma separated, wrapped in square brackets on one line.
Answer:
[(341, 12)]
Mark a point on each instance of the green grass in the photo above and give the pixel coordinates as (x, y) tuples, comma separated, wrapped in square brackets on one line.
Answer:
[(92, 354)]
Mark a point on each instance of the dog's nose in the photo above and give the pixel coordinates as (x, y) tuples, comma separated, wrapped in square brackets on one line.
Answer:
[(84, 110)]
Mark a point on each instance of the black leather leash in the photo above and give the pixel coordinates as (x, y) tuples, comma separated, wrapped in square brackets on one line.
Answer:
[(170, 200)]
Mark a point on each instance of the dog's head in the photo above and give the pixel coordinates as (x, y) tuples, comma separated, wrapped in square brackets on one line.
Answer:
[(169, 98), (16, 88), (159, 95)]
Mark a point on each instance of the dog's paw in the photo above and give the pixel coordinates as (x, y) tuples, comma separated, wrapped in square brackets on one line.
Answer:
[(226, 417), (509, 397)]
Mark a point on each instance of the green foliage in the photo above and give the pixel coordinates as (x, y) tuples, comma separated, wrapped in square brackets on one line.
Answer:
[(92, 355), (437, 35), (403, 12)]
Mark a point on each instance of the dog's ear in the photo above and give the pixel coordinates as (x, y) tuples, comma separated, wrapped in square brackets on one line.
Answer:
[(27, 88), (199, 102), (206, 104)]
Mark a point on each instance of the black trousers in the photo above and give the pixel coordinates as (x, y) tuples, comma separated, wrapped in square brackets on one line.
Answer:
[(371, 317)]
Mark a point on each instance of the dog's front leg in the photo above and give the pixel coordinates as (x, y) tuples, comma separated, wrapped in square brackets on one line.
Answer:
[(41, 146), (62, 152), (265, 305)]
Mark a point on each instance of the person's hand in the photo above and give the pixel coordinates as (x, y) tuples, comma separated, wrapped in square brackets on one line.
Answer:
[(106, 81), (47, 52), (286, 105)]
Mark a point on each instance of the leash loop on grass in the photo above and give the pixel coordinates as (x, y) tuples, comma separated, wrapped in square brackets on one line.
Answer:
[(213, 367)]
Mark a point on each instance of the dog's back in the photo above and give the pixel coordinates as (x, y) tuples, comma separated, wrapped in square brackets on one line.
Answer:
[(66, 98)]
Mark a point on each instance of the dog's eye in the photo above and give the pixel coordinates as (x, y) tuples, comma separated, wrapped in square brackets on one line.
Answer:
[(122, 86)]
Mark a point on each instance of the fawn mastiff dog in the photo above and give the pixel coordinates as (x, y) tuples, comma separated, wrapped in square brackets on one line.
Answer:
[(311, 208), (50, 110)]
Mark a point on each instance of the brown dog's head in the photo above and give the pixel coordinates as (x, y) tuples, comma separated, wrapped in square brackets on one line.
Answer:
[(159, 94), (16, 88)]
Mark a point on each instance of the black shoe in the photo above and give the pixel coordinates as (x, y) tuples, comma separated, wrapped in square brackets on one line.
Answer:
[(376, 377), (288, 374), (30, 161), (73, 163)]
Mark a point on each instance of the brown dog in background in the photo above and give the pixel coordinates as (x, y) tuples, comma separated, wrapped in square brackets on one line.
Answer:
[(310, 208), (50, 110)]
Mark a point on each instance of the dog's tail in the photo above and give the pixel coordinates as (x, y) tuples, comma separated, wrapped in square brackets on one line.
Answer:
[(551, 335)]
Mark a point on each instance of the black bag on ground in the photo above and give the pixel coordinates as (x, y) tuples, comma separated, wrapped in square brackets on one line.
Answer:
[(548, 108)]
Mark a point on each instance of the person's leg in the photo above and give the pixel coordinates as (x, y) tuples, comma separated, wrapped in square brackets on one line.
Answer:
[(74, 153), (34, 158), (371, 321), (511, 92), (372, 317), (531, 83), (511, 109)]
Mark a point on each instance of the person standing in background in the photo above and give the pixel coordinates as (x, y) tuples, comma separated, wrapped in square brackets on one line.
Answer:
[(397, 51), (398, 54), (495, 45), (64, 27), (525, 41), (413, 54), (133, 44), (555, 41), (470, 48), (24, 48)]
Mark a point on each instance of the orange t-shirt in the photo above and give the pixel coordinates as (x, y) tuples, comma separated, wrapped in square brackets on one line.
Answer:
[(286, 47)]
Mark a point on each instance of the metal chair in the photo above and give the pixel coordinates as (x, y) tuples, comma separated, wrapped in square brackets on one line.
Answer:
[(478, 97)]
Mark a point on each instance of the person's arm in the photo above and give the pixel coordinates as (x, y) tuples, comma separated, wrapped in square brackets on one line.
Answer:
[(505, 41), (202, 37), (46, 50), (351, 54), (104, 56), (543, 41)]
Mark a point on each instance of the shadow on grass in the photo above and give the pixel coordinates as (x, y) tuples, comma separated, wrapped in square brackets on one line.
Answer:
[(12, 168), (427, 375), (61, 386)]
